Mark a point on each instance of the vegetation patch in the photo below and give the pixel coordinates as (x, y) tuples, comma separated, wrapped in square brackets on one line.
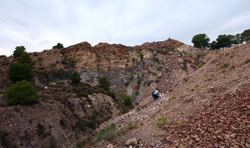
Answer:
[(22, 93), (180, 124), (156, 59), (108, 133), (128, 101), (201, 65), (2, 56), (224, 65), (133, 126), (159, 68), (162, 121), (126, 84)]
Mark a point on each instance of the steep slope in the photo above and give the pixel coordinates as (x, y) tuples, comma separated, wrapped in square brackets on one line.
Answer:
[(206, 79)]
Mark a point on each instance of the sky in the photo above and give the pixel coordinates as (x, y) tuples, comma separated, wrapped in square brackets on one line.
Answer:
[(41, 24)]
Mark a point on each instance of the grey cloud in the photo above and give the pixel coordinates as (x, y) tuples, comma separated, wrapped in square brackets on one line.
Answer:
[(40, 24)]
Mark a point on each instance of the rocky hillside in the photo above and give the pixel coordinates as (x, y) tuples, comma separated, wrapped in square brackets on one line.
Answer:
[(80, 115), (67, 114), (207, 105)]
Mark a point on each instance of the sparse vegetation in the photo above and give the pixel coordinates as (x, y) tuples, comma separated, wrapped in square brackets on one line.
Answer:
[(201, 41), (19, 72), (156, 59), (58, 46), (133, 126), (199, 66), (25, 59), (53, 65), (2, 56), (126, 84), (162, 121), (104, 83), (232, 55), (22, 93), (159, 68), (184, 67), (108, 133), (19, 51), (128, 101), (75, 78), (141, 56), (224, 65), (40, 130), (179, 124)]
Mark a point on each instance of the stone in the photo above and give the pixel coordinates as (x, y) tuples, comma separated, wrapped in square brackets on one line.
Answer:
[(132, 141), (233, 135), (110, 146), (52, 84), (144, 103), (159, 74)]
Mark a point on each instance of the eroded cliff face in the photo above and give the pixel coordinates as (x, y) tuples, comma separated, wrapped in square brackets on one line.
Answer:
[(119, 63)]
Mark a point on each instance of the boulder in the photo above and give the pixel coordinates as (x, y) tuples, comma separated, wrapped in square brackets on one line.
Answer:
[(144, 103), (110, 146), (132, 141), (159, 74)]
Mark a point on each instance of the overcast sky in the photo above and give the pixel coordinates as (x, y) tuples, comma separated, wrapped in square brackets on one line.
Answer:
[(41, 24)]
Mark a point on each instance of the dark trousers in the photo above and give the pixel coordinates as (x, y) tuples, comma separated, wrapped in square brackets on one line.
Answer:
[(155, 97)]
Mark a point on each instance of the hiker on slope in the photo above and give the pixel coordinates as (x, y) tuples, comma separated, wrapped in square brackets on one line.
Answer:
[(156, 94)]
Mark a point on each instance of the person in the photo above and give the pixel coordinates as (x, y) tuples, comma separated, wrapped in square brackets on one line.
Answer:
[(156, 94)]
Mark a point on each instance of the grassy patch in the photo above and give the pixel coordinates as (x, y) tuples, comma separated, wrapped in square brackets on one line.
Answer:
[(224, 65), (156, 59), (162, 121), (232, 55), (201, 65), (179, 124), (126, 84), (108, 133), (132, 126), (159, 68)]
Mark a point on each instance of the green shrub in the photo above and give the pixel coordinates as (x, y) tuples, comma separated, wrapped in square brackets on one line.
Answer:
[(108, 133), (75, 78), (224, 65), (58, 46), (19, 51), (200, 66), (80, 144), (35, 54), (184, 67), (162, 121), (127, 101), (19, 72), (126, 84), (159, 68), (141, 56), (64, 61), (25, 59), (22, 93), (179, 124), (104, 83), (2, 56), (156, 59), (53, 65), (133, 126)]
